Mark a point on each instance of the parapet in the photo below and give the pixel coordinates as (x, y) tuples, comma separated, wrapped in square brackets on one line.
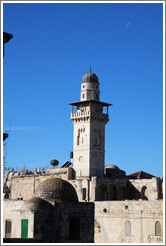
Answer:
[(64, 173)]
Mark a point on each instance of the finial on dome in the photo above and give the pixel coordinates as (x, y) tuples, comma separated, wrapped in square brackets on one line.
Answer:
[(90, 69)]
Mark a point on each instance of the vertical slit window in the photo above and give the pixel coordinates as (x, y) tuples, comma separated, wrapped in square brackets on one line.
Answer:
[(84, 194)]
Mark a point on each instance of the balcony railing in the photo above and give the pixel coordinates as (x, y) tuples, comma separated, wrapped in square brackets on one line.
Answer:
[(90, 114)]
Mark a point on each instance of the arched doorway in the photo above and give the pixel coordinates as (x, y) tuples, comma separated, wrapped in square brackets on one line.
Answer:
[(144, 193)]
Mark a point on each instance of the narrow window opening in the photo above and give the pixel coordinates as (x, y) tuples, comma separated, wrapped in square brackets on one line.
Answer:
[(78, 137), (78, 140), (84, 194)]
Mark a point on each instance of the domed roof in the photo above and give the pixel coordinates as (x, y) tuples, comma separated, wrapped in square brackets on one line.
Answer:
[(36, 203), (90, 77), (112, 167), (57, 190)]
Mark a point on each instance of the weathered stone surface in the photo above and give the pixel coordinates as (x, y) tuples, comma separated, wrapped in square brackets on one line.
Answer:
[(56, 190), (142, 216)]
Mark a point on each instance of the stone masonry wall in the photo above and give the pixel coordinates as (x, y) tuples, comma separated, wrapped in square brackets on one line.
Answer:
[(152, 187), (56, 228), (24, 187), (111, 216), (15, 211), (84, 212)]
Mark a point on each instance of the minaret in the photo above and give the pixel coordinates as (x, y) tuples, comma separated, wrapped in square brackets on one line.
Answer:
[(89, 129)]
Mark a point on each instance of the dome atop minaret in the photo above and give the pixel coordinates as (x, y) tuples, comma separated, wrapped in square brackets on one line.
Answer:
[(90, 77)]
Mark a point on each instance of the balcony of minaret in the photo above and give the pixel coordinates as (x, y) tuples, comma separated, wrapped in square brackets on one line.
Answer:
[(85, 115)]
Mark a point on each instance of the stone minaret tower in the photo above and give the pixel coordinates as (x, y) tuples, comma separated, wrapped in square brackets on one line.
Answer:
[(89, 129)]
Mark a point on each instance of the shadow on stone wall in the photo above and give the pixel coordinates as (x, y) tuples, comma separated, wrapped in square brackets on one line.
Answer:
[(119, 191), (133, 194)]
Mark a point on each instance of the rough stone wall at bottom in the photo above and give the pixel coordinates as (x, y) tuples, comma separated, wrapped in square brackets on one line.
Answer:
[(110, 219)]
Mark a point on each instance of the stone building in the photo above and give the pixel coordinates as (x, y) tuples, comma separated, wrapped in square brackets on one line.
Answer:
[(88, 201)]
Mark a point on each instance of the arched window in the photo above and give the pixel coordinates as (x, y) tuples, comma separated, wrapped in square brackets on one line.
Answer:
[(157, 228), (127, 228), (144, 193), (82, 95)]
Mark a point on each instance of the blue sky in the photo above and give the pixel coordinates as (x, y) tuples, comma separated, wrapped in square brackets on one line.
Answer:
[(53, 46)]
